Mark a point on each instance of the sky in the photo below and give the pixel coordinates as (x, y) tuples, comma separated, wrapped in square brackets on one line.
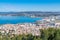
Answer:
[(29, 5)]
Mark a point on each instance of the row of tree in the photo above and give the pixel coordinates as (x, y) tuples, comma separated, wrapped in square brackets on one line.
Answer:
[(46, 34)]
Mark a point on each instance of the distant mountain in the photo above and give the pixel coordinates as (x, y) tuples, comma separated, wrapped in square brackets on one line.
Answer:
[(31, 13)]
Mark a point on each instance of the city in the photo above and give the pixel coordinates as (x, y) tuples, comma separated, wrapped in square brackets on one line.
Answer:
[(31, 28), (29, 19)]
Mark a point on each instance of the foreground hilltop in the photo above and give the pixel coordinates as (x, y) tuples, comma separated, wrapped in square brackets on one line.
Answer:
[(31, 13)]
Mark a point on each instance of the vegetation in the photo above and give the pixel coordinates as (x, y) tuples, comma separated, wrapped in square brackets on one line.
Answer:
[(46, 34)]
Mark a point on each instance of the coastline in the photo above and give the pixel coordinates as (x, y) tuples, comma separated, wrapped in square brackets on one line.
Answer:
[(18, 19)]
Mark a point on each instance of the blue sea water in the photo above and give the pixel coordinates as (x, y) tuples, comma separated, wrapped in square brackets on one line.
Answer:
[(17, 19)]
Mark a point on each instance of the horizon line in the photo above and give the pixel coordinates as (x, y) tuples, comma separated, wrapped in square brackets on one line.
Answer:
[(29, 11)]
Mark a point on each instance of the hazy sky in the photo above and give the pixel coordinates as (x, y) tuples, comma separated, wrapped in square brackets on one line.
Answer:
[(29, 5)]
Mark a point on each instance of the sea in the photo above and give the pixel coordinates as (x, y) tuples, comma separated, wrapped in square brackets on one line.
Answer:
[(18, 19)]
